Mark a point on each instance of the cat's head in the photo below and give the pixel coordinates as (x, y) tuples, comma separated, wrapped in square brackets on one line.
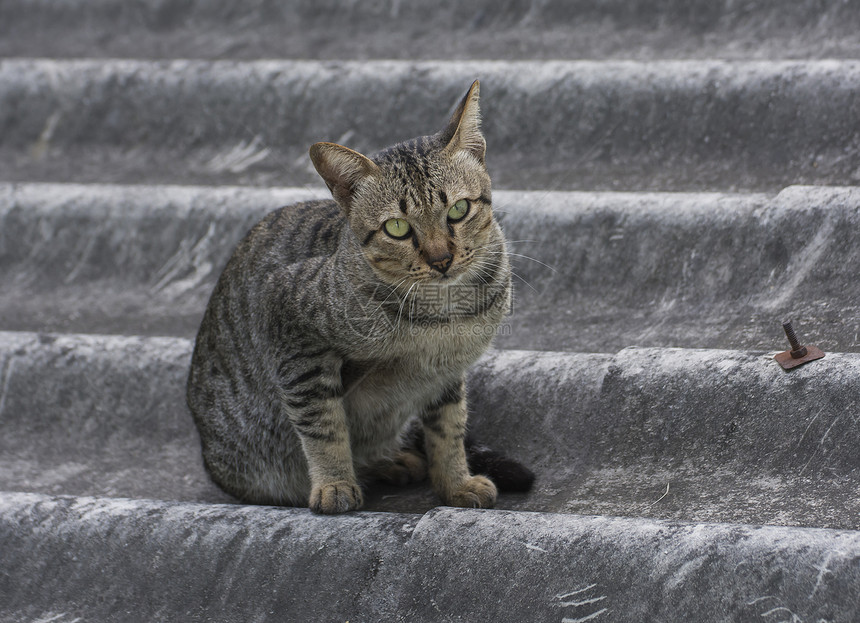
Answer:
[(420, 210)]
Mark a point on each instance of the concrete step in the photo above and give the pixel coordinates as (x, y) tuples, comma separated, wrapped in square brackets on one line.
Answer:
[(514, 29), (596, 272), (144, 560), (611, 125), (688, 435)]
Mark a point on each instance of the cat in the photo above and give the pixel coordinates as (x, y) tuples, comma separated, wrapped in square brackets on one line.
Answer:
[(333, 349)]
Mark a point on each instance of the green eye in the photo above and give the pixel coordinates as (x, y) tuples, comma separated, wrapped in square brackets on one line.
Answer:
[(397, 228), (458, 210)]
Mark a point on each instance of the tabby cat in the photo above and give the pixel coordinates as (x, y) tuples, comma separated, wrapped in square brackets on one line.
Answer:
[(336, 326)]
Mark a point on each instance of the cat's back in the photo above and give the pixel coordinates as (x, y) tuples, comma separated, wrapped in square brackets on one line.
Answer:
[(295, 233), (275, 257), (271, 265)]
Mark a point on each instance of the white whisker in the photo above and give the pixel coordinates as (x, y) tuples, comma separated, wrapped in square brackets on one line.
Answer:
[(403, 302), (525, 257), (513, 272)]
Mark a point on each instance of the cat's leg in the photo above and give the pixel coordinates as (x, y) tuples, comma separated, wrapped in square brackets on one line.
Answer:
[(444, 434), (317, 413)]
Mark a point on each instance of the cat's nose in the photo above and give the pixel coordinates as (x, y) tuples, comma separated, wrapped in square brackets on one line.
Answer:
[(441, 263)]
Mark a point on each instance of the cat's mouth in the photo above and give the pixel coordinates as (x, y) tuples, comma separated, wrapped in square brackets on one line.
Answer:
[(452, 276)]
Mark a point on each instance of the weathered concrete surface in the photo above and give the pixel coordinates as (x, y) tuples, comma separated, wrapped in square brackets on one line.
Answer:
[(515, 29), (693, 435), (141, 560), (107, 416), (613, 125), (700, 435), (132, 260), (102, 559), (695, 270), (492, 566), (596, 271)]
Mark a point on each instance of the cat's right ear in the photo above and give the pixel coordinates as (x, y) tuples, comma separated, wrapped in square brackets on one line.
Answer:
[(342, 169)]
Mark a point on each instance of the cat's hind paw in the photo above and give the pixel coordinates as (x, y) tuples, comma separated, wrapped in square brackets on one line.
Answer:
[(475, 492), (336, 497), (403, 468)]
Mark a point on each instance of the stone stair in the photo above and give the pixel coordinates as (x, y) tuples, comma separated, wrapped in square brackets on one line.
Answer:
[(676, 178)]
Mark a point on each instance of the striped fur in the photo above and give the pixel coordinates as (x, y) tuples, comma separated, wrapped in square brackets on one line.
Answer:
[(325, 337)]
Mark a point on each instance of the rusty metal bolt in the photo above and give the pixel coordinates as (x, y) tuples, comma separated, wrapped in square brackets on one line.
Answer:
[(798, 355), (797, 351)]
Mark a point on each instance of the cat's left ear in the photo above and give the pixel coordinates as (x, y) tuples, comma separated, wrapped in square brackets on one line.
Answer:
[(342, 169), (464, 128)]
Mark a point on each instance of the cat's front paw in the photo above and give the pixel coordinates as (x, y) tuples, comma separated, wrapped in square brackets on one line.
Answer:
[(474, 492), (336, 497)]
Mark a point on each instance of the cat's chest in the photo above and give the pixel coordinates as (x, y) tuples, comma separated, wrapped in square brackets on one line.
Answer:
[(407, 378), (410, 364), (419, 363), (393, 390)]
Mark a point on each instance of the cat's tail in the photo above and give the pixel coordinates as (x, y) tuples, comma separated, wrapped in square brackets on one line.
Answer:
[(509, 475)]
